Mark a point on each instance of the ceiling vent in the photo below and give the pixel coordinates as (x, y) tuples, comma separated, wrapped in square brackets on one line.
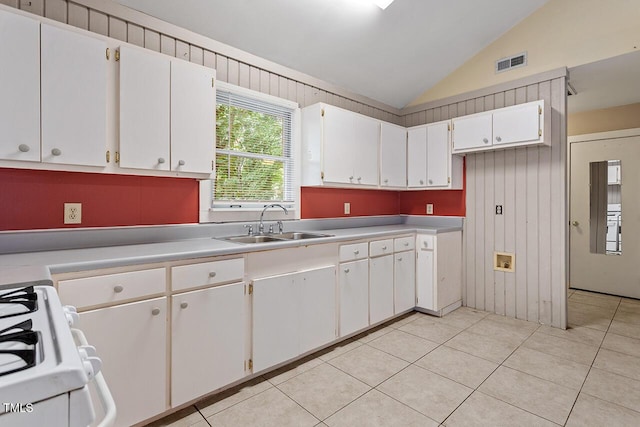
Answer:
[(515, 61)]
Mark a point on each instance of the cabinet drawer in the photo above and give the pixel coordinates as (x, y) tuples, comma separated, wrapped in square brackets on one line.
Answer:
[(110, 288), (381, 247), (426, 242), (206, 273), (404, 244), (354, 252)]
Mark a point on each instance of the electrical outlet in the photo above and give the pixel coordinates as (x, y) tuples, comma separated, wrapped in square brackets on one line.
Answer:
[(429, 208), (73, 213), (347, 208)]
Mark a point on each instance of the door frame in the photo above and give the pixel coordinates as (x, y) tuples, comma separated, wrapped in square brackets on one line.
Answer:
[(588, 137)]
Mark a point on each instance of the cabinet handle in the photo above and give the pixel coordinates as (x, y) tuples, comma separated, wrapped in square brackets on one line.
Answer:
[(24, 148), (485, 140), (181, 162), (498, 139), (118, 288), (184, 304), (346, 270), (56, 152), (356, 252), (160, 160), (155, 311), (212, 274)]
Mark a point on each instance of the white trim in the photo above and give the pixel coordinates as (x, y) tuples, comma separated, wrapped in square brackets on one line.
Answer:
[(624, 133)]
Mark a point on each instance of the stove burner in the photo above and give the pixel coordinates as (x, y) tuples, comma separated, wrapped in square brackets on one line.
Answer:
[(18, 349), (17, 302)]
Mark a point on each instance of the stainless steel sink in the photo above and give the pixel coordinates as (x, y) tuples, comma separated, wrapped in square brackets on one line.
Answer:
[(298, 235), (264, 238), (253, 239)]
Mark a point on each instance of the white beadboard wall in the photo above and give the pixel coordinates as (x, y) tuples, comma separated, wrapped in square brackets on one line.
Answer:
[(134, 28), (531, 185)]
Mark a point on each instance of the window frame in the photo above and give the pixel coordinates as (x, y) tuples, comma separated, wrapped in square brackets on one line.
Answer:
[(211, 213)]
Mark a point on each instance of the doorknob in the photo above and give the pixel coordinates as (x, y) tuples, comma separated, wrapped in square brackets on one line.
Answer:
[(575, 223)]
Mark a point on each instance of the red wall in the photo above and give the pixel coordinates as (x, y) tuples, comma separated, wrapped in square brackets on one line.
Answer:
[(32, 199)]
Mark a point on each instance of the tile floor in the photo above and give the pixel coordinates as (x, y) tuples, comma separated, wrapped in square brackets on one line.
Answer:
[(469, 368)]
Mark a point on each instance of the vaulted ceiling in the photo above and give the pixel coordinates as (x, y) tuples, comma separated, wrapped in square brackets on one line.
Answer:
[(390, 55)]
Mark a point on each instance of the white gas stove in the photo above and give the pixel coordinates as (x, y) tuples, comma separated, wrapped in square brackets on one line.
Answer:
[(44, 374)]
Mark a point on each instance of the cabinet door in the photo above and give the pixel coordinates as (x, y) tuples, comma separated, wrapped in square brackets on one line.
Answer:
[(318, 307), (20, 87), (207, 331), (424, 280), (275, 320), (472, 132), (193, 114), (438, 155), (130, 339), (417, 157), (354, 296), (365, 142), (393, 155), (144, 109), (74, 97), (338, 153), (404, 281), (380, 288), (517, 124)]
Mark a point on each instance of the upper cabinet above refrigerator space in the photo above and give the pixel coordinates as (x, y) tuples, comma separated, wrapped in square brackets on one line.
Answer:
[(516, 126)]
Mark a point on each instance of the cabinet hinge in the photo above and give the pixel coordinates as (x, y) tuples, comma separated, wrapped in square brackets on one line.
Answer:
[(322, 112), (108, 53), (539, 132), (117, 55), (117, 157), (108, 156)]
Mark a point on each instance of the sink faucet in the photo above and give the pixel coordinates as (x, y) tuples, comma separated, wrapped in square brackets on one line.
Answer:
[(275, 205)]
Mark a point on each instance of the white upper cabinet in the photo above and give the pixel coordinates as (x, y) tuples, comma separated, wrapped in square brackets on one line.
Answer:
[(193, 112), (73, 100), (339, 147), (393, 155), (20, 87), (515, 126), (417, 157), (144, 109), (430, 164)]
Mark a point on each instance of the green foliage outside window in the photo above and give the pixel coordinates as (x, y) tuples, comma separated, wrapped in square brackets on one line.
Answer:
[(250, 155)]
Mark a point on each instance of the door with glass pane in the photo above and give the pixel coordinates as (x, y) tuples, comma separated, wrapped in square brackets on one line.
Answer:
[(605, 216)]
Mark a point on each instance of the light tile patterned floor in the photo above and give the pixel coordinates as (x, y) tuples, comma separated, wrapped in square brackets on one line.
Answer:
[(470, 368)]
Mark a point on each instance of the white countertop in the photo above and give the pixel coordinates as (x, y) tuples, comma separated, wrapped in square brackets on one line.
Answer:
[(22, 267)]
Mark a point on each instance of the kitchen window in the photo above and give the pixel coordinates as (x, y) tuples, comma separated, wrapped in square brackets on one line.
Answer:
[(256, 146)]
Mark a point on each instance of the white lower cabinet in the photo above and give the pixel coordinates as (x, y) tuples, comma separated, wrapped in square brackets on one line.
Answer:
[(354, 296), (292, 314), (207, 340), (404, 281), (439, 272), (130, 339), (380, 288)]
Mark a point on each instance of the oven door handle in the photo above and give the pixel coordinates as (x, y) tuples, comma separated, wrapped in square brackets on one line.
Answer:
[(104, 394)]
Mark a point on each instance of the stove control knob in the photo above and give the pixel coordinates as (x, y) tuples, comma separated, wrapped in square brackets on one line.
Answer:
[(71, 314), (92, 366)]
